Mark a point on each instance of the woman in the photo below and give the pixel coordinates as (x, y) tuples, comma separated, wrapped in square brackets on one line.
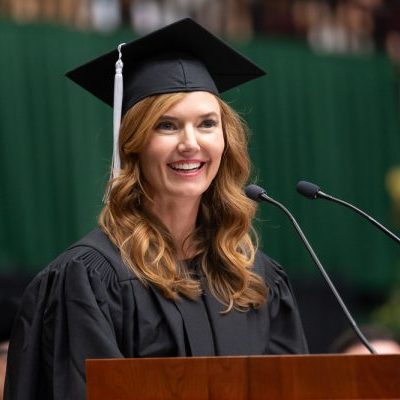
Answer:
[(171, 270)]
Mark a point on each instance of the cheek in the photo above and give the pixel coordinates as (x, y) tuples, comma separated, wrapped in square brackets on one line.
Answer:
[(219, 146), (216, 150), (152, 153), (148, 163)]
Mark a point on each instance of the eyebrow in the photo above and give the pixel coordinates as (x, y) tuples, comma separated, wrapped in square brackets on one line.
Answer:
[(207, 115)]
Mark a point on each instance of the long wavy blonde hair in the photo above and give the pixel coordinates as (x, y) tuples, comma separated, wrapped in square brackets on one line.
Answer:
[(221, 241)]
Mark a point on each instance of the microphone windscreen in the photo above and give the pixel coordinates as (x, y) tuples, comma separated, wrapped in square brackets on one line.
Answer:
[(254, 192), (307, 189)]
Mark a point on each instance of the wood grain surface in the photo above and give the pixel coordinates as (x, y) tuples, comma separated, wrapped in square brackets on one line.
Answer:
[(267, 377)]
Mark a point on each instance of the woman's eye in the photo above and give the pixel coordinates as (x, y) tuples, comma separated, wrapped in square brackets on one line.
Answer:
[(165, 126), (209, 123)]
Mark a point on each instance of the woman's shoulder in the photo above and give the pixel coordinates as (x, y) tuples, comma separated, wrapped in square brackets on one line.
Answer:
[(94, 254), (272, 272)]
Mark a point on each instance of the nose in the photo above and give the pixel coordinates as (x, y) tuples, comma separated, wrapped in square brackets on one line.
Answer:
[(188, 142)]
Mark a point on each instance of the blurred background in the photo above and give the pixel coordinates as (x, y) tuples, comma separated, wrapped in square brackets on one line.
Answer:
[(328, 111)]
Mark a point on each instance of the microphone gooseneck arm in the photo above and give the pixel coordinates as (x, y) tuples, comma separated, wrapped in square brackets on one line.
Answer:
[(256, 193), (312, 191), (325, 196)]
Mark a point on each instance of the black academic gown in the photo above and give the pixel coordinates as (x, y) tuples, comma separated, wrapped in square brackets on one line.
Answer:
[(87, 304)]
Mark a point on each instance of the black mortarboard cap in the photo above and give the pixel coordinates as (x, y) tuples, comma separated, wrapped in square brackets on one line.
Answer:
[(181, 57)]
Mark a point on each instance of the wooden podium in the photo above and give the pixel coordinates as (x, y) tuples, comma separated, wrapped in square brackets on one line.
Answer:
[(242, 378)]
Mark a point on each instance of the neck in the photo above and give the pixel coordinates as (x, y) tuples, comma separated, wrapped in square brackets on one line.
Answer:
[(179, 217)]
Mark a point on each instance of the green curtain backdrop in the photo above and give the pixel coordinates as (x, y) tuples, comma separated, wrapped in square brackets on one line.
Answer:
[(332, 120)]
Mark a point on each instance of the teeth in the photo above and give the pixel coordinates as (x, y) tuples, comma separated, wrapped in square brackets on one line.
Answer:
[(185, 166)]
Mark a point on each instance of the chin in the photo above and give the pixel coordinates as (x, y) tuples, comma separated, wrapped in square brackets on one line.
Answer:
[(188, 191)]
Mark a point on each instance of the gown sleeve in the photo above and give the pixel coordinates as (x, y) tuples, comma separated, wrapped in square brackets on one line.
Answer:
[(286, 328), (66, 316)]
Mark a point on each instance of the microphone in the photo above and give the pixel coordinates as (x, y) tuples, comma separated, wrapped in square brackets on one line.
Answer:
[(258, 194), (312, 191)]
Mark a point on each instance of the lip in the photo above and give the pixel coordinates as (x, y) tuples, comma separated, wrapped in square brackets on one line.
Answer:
[(187, 173), (185, 161)]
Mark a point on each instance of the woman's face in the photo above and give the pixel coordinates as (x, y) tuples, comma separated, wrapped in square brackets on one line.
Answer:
[(185, 148)]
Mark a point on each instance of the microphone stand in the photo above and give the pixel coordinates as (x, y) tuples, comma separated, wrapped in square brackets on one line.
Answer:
[(265, 197)]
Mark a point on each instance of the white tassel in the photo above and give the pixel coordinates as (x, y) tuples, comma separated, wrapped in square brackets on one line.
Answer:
[(117, 112), (118, 94)]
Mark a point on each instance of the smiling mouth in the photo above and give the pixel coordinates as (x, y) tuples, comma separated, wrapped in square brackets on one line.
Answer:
[(186, 167)]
